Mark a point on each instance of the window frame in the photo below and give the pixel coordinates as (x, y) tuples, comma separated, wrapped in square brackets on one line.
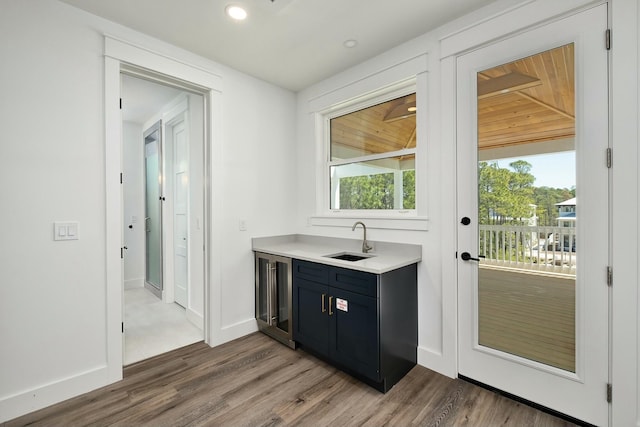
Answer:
[(323, 125)]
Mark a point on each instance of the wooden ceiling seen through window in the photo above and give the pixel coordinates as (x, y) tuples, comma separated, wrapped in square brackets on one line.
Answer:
[(382, 128), (527, 101)]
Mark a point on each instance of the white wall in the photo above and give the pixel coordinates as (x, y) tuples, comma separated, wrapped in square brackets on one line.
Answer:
[(133, 204), (437, 283), (52, 308), (52, 298), (371, 75), (259, 183)]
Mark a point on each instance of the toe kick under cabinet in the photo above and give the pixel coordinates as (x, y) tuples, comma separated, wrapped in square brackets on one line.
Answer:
[(366, 324)]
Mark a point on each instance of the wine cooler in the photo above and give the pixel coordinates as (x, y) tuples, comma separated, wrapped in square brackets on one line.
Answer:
[(273, 297)]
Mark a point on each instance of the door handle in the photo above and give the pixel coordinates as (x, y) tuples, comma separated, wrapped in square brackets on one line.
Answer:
[(466, 256), (330, 302), (324, 309), (273, 293), (268, 292)]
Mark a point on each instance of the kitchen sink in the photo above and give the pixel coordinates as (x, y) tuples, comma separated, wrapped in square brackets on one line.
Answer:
[(346, 256)]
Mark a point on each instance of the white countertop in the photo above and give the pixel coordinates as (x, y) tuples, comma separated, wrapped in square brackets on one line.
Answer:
[(384, 257)]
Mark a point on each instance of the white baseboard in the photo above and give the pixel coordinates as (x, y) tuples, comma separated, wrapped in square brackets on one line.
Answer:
[(195, 318), (134, 283), (46, 395), (437, 362)]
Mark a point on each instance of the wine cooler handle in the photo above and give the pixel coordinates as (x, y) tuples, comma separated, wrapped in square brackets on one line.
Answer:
[(273, 290)]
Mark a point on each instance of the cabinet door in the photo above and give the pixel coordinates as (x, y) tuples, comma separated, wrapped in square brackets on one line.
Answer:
[(354, 337), (310, 313)]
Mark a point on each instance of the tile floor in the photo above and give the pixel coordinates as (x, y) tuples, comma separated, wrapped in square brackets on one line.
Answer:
[(153, 327)]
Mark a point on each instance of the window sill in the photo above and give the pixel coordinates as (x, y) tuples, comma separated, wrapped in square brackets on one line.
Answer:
[(414, 223)]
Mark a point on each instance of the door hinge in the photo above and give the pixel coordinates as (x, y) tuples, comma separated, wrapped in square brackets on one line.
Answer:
[(120, 177), (609, 276), (121, 103), (122, 327), (121, 253), (609, 392), (607, 39), (609, 157)]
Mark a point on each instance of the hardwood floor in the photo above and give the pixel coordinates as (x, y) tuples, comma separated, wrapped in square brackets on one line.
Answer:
[(255, 381)]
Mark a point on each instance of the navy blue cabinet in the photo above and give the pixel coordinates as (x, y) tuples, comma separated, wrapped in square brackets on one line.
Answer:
[(311, 321), (364, 323), (354, 333)]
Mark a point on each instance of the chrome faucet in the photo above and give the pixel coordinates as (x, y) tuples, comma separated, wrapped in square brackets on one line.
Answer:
[(365, 246)]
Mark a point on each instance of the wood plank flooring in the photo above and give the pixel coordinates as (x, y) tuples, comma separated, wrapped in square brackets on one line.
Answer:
[(255, 381)]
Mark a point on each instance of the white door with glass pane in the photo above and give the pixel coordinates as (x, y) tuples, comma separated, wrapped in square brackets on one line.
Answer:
[(532, 135)]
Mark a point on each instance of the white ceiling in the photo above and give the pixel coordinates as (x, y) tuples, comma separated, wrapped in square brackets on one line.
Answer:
[(141, 99), (291, 43)]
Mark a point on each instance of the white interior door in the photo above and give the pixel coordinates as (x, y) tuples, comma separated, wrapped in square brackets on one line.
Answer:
[(181, 212), (532, 111)]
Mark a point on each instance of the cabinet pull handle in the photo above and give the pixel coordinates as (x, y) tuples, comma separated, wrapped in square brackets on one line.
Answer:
[(324, 309), (330, 300), (273, 308), (269, 288)]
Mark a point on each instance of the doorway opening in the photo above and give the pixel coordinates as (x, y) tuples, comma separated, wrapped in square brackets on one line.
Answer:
[(163, 212)]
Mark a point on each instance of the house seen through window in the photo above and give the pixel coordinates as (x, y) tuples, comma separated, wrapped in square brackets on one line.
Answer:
[(372, 157)]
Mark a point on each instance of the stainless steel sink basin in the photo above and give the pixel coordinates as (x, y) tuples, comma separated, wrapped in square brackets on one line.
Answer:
[(348, 256)]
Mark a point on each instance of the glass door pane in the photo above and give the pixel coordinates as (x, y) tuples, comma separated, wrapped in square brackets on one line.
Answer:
[(262, 296), (527, 208), (282, 296), (153, 207)]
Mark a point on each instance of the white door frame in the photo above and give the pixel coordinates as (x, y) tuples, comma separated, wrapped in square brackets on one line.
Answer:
[(595, 376), (119, 55)]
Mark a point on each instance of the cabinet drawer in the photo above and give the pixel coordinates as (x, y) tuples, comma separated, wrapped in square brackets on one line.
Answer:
[(359, 282), (311, 271)]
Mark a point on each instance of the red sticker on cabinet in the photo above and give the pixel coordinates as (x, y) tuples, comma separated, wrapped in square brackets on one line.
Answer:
[(342, 304)]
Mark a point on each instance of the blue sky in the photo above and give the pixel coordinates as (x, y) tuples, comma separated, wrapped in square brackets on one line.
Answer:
[(557, 170)]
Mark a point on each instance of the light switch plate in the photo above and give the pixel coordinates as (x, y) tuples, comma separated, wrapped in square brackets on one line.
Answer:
[(65, 230)]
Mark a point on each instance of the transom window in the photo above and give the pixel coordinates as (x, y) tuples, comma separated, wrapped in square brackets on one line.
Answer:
[(372, 154)]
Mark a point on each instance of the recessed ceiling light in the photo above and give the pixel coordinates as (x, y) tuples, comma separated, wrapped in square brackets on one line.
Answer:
[(236, 12), (350, 43)]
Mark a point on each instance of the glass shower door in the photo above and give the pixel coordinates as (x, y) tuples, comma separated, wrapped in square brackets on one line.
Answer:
[(153, 207)]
